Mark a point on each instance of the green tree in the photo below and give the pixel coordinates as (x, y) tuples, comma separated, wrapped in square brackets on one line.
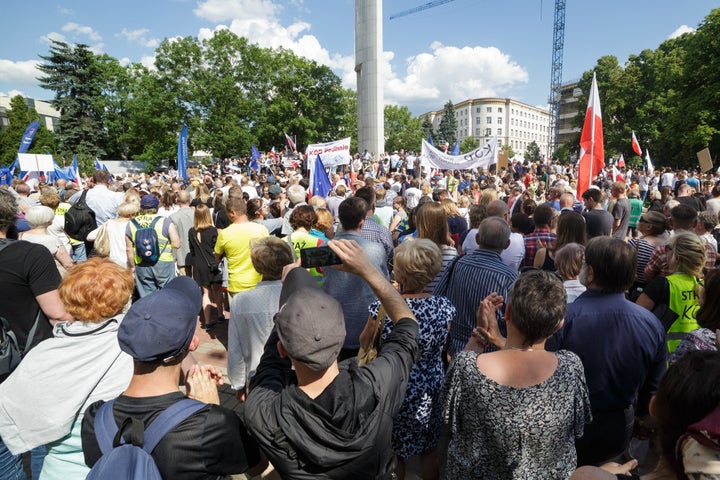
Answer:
[(348, 122), (402, 130), (19, 117), (448, 124), (427, 128), (468, 145), (73, 73), (532, 152), (507, 148), (561, 155)]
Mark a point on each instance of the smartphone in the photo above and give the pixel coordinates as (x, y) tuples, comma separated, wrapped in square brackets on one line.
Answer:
[(318, 257)]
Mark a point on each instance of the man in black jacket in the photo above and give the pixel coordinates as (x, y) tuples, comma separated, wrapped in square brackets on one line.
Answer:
[(327, 420)]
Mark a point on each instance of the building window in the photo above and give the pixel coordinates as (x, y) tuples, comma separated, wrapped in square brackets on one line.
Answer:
[(499, 109), (488, 132), (478, 131), (478, 120), (488, 120), (499, 131), (477, 109), (488, 109), (499, 120)]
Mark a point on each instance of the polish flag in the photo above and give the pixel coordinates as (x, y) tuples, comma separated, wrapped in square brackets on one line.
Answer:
[(636, 145), (592, 151), (290, 142), (271, 153), (621, 162)]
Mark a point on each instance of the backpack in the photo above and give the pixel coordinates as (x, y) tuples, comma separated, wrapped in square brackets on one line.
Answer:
[(121, 460), (147, 244), (80, 219)]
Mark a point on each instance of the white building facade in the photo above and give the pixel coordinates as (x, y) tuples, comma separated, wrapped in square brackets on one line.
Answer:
[(514, 123), (48, 115)]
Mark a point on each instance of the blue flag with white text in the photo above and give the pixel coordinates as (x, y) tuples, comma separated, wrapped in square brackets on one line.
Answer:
[(28, 136), (321, 182), (182, 154)]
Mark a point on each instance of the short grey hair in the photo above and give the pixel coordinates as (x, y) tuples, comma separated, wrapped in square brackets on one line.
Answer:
[(39, 216), (296, 194), (493, 234)]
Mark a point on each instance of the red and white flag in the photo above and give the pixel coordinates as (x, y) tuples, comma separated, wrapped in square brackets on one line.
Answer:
[(621, 161), (592, 151), (271, 153), (290, 142), (636, 145)]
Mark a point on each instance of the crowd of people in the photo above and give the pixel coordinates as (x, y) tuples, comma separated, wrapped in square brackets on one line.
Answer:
[(520, 328)]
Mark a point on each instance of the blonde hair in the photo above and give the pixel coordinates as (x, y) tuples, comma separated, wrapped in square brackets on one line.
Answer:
[(40, 216), (202, 219), (416, 263), (487, 196), (688, 253), (128, 209), (451, 209), (96, 289)]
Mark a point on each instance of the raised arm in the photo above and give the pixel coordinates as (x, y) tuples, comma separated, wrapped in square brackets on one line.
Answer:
[(355, 261)]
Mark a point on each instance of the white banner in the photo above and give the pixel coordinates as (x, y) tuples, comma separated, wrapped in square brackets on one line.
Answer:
[(331, 153), (481, 157), (32, 162)]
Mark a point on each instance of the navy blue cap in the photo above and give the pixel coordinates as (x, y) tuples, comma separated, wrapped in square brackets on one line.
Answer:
[(160, 326)]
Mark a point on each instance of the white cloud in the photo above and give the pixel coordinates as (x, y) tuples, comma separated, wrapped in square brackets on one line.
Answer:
[(681, 30), (72, 27), (224, 10), (139, 36), (455, 73), (124, 61), (22, 72), (13, 93), (58, 37), (148, 61)]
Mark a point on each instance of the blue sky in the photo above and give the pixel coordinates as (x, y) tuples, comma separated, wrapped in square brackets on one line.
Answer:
[(463, 49)]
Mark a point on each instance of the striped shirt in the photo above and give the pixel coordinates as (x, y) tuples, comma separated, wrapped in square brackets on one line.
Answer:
[(472, 278)]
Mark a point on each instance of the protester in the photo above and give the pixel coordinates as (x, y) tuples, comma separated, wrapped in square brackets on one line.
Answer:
[(252, 311), (432, 223), (206, 271), (416, 426), (82, 360), (158, 332), (474, 277), (149, 276), (569, 260), (708, 318), (543, 393), (621, 345), (326, 420), (679, 291), (40, 218)]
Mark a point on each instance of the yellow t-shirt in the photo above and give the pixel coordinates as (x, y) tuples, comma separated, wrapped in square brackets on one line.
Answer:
[(234, 243)]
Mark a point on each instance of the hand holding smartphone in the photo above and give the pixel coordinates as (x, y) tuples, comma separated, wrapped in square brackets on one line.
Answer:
[(318, 257)]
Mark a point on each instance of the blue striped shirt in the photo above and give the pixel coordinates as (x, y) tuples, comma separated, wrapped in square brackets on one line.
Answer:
[(466, 284)]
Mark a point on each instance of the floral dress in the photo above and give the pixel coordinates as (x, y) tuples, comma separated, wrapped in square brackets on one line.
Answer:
[(416, 427)]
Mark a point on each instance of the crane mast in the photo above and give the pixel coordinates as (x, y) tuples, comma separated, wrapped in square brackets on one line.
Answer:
[(556, 75)]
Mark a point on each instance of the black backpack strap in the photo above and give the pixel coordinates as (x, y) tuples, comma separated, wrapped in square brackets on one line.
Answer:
[(170, 418), (81, 200)]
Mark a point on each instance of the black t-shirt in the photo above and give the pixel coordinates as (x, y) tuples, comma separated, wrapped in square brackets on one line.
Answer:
[(209, 444), (27, 270)]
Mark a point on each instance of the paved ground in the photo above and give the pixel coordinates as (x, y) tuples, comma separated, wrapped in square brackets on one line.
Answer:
[(213, 351)]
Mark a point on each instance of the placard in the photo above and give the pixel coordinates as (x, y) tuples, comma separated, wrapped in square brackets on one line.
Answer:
[(36, 162), (705, 160)]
